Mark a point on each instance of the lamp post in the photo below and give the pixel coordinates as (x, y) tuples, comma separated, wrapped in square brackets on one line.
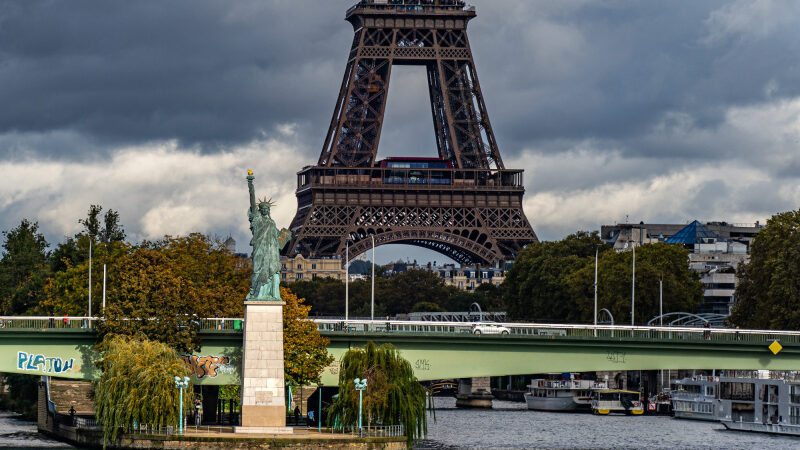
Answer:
[(90, 275), (347, 280), (361, 386), (633, 279), (372, 310), (596, 253), (181, 385)]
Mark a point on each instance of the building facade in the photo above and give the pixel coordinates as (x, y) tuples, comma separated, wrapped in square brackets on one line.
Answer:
[(469, 277), (715, 251), (299, 268)]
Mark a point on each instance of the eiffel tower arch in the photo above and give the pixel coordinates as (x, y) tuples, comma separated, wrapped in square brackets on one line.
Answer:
[(465, 203)]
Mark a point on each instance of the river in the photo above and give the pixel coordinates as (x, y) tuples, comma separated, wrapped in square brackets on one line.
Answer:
[(511, 425), (21, 434)]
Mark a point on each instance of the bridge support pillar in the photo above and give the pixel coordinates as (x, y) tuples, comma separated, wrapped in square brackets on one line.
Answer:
[(474, 393), (263, 404)]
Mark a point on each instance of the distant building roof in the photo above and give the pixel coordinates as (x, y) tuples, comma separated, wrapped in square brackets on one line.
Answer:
[(694, 233)]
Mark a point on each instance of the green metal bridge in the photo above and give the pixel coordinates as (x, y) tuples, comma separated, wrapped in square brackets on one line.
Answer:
[(64, 347)]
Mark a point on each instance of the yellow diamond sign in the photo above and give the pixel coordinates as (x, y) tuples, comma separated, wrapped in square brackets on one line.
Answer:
[(775, 347)]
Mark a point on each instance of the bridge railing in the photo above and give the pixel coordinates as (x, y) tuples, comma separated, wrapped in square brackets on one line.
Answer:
[(564, 330), (539, 330), (46, 322)]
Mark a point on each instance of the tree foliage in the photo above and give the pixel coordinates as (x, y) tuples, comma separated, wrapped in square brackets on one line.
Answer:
[(554, 281), (682, 290), (768, 293), (536, 287), (305, 353), (161, 289), (137, 386), (24, 268), (393, 395)]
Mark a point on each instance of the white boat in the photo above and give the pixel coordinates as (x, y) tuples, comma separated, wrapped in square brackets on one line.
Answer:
[(759, 405), (693, 398), (561, 395)]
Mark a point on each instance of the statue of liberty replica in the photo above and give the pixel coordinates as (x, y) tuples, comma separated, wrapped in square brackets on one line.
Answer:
[(263, 403), (267, 242)]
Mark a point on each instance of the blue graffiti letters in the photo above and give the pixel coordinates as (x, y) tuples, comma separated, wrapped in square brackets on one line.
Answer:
[(41, 363)]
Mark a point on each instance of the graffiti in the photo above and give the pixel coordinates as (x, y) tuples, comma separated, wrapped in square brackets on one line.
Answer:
[(41, 363), (616, 357), (209, 366), (422, 365)]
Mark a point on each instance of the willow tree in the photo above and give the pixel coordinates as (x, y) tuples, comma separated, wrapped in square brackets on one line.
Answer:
[(393, 396), (137, 386)]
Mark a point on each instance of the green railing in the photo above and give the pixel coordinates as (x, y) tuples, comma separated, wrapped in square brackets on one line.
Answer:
[(509, 329)]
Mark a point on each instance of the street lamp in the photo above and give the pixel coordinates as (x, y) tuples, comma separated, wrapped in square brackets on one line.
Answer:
[(361, 386), (372, 314), (181, 385), (347, 280), (633, 278), (596, 253)]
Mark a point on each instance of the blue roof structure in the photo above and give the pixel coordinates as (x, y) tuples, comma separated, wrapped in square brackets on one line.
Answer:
[(694, 233)]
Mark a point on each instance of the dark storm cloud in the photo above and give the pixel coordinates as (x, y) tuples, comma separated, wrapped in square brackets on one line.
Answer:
[(205, 73), (210, 74)]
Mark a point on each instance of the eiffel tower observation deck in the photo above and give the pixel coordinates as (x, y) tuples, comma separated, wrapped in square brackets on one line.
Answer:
[(463, 203)]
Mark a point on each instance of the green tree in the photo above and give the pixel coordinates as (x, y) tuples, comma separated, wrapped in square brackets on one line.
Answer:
[(22, 394), (768, 293), (393, 396), (427, 307), (137, 386), (305, 353), (324, 295), (536, 287), (24, 268), (682, 288)]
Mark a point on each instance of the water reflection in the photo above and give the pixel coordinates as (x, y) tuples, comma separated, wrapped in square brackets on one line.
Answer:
[(21, 434)]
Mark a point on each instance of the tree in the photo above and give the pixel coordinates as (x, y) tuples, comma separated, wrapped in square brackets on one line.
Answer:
[(401, 292), (536, 287), (24, 268), (137, 386), (393, 396), (161, 290), (22, 392), (305, 353), (111, 231), (768, 293), (682, 290)]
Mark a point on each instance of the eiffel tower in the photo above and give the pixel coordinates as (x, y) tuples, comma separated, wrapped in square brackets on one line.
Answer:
[(464, 204)]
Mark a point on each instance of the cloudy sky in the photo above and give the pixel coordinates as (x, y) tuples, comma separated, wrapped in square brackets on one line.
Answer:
[(661, 111)]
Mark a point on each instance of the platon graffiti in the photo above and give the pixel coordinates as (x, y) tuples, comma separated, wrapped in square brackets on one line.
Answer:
[(203, 366), (41, 363)]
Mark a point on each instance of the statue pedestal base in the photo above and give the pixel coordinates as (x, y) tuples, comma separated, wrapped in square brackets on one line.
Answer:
[(263, 404)]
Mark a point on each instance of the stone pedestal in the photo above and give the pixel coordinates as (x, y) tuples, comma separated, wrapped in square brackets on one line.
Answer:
[(263, 404)]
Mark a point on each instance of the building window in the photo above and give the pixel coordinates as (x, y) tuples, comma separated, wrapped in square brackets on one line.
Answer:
[(484, 274), (299, 276), (283, 276), (313, 266), (283, 266), (299, 267), (460, 284), (313, 275)]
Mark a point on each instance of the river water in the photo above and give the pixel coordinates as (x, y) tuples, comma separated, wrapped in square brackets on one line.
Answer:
[(511, 425), (21, 434)]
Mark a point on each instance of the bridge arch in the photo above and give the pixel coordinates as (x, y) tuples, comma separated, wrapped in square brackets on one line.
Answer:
[(464, 247)]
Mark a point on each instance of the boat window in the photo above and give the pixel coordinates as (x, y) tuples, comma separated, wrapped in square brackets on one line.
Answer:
[(737, 391)]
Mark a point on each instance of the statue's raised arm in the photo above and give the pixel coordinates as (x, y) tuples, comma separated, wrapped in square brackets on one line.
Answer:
[(253, 206)]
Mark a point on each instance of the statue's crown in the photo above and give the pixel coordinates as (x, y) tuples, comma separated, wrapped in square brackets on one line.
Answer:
[(264, 200)]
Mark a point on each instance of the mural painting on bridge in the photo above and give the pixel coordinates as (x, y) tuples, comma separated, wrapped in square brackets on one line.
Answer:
[(209, 366), (54, 365)]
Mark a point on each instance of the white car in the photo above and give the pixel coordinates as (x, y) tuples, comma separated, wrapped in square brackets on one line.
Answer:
[(489, 328)]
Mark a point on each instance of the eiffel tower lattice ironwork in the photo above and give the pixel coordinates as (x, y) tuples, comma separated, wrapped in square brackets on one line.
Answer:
[(465, 203)]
